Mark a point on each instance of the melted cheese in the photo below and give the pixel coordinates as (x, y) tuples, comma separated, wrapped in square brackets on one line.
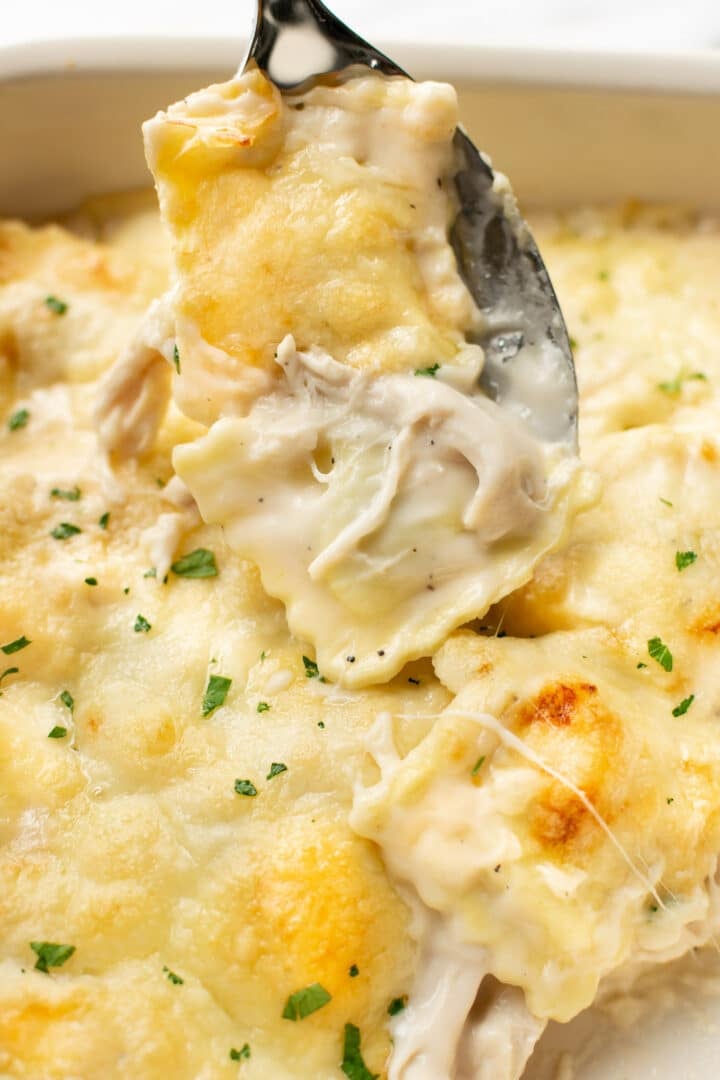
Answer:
[(593, 806), (383, 496)]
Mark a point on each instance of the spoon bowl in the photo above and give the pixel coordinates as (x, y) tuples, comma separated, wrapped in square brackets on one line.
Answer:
[(528, 366)]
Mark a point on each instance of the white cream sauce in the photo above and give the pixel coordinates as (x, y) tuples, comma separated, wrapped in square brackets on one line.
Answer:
[(383, 509)]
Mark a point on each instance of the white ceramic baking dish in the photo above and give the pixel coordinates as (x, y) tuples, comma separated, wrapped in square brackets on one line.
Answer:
[(566, 127)]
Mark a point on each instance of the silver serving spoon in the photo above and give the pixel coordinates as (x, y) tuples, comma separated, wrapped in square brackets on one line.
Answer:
[(528, 362)]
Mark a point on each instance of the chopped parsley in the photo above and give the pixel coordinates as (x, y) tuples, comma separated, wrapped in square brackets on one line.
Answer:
[(429, 372), (304, 1002), (276, 768), (50, 955), (16, 645), (572, 342), (9, 671), (352, 1063), (665, 502), (660, 652), (18, 419), (683, 559), (67, 700), (353, 971), (57, 732), (71, 494), (640, 664), (397, 1005), (245, 787), (243, 1052), (215, 693), (670, 799), (415, 682), (684, 705), (172, 977), (311, 669), (91, 581), (142, 626), (176, 358), (152, 572), (196, 564), (478, 765), (262, 706), (674, 386), (59, 307), (103, 520), (65, 530)]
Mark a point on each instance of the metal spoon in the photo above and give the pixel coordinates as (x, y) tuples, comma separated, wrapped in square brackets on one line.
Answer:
[(528, 362)]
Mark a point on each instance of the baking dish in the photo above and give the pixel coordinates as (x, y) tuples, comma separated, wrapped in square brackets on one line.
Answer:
[(568, 128)]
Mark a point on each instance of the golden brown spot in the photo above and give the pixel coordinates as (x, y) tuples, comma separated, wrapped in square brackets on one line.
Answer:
[(484, 669), (708, 451), (558, 817), (569, 726), (93, 722), (556, 704), (708, 623)]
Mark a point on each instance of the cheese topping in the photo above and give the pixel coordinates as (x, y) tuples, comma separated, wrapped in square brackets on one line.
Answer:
[(199, 829)]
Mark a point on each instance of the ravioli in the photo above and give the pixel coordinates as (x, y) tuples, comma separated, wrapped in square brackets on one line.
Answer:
[(323, 331), (483, 842)]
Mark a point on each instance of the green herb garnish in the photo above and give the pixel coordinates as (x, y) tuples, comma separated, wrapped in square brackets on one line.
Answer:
[(64, 531), (245, 787), (71, 494), (262, 706), (674, 386), (9, 671), (67, 700), (478, 765), (353, 971), (176, 358), (352, 1063), (215, 693), (660, 652), (50, 955), (91, 581), (16, 645), (142, 626), (429, 372), (397, 1005), (197, 564), (55, 305), (640, 664), (684, 705), (243, 1052), (311, 668), (276, 768), (304, 1002), (103, 520), (174, 979), (684, 559), (57, 732), (665, 502), (152, 572), (18, 419)]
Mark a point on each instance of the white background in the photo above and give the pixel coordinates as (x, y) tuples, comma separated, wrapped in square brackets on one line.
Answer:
[(628, 24)]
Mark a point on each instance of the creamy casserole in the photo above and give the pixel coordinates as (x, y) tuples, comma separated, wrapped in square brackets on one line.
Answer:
[(226, 849)]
